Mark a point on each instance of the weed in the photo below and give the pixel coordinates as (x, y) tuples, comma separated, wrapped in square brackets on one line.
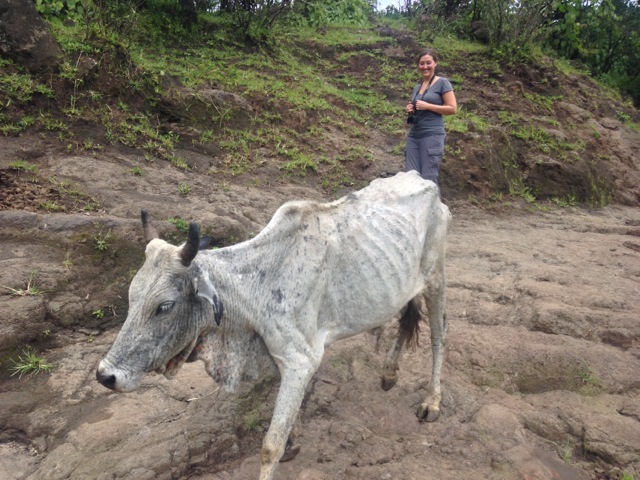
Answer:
[(184, 189), (568, 201), (542, 100), (180, 223), (51, 206), (29, 364), (179, 163), (626, 476), (30, 288), (496, 197), (508, 118), (23, 165), (98, 313), (300, 163), (88, 144), (101, 241), (136, 171), (67, 262), (591, 384), (623, 117)]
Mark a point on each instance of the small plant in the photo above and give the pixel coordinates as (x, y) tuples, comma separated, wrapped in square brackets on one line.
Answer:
[(30, 288), (136, 171), (67, 262), (51, 206), (29, 364), (180, 223), (184, 189), (22, 165), (623, 117), (98, 313), (496, 197), (101, 241)]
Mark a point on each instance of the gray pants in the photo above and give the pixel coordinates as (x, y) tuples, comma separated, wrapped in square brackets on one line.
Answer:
[(424, 155)]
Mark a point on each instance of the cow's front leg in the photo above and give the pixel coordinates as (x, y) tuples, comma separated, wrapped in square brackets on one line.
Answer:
[(294, 380)]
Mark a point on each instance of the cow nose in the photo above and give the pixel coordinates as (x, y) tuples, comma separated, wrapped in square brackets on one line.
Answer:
[(108, 381)]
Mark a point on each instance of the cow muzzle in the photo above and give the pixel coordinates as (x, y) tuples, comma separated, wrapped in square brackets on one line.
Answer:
[(116, 379), (108, 380)]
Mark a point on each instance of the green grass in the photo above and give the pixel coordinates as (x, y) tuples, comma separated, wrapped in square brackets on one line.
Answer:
[(180, 223), (23, 166), (29, 363)]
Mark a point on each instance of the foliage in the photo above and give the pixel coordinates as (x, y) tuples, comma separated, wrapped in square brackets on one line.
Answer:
[(318, 13), (29, 363)]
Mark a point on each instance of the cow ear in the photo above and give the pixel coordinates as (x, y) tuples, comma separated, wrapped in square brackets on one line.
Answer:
[(204, 289), (205, 242)]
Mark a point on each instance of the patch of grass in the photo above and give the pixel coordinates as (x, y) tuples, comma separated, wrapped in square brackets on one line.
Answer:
[(184, 189), (510, 119), (179, 163), (299, 163), (23, 165), (180, 223), (136, 171), (591, 384), (464, 121), (543, 101), (98, 313), (21, 87), (29, 363), (51, 206)]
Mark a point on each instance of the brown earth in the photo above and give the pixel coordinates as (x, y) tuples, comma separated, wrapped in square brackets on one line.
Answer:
[(541, 374)]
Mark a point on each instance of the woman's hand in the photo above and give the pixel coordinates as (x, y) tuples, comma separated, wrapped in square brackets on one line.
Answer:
[(422, 105), (409, 108)]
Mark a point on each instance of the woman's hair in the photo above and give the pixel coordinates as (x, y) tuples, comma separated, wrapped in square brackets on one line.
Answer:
[(428, 51)]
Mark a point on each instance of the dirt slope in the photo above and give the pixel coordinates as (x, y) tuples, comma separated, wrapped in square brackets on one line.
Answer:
[(541, 373), (540, 380)]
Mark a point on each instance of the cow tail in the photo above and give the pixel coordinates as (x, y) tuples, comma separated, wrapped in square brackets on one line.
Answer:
[(409, 327)]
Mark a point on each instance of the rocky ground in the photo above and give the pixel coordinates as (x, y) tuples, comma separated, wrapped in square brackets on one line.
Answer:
[(542, 360), (540, 381)]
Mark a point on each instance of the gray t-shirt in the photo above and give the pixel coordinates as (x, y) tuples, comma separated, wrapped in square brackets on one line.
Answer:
[(426, 122)]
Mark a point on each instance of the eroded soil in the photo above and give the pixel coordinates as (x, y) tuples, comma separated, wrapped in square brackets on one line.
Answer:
[(540, 381)]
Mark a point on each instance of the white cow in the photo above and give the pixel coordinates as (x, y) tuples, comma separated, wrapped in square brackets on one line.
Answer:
[(317, 273)]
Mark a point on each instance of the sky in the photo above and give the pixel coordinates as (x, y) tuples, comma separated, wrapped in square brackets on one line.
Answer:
[(383, 4)]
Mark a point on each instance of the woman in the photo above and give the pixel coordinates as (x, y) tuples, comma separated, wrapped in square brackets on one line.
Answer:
[(432, 98)]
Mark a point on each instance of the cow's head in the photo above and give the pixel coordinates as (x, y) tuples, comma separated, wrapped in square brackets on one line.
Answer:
[(171, 303)]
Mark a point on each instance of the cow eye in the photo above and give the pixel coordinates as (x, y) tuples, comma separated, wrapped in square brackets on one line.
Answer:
[(165, 307)]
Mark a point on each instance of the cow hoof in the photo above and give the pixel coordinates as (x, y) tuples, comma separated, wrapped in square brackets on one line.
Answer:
[(426, 414), (290, 453), (387, 383)]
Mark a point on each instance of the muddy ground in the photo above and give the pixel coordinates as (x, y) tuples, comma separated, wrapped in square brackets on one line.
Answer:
[(540, 380)]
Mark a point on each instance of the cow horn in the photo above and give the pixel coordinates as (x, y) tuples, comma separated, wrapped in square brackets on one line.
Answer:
[(149, 232), (190, 248)]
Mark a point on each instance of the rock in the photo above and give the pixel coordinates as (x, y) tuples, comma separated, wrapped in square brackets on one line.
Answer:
[(25, 38), (311, 474)]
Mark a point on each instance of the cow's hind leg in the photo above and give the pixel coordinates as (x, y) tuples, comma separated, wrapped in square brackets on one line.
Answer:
[(408, 328), (430, 408)]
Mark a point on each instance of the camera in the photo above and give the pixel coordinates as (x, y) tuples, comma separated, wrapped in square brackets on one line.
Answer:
[(411, 117)]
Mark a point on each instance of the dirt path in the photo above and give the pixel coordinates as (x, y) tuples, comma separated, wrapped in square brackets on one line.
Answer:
[(541, 380)]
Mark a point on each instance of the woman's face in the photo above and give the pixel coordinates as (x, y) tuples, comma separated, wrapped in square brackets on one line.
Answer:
[(427, 66)]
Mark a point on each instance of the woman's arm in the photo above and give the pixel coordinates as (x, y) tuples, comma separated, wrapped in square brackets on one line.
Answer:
[(450, 106)]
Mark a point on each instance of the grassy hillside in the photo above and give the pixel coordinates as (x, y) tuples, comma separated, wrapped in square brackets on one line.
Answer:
[(319, 106)]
